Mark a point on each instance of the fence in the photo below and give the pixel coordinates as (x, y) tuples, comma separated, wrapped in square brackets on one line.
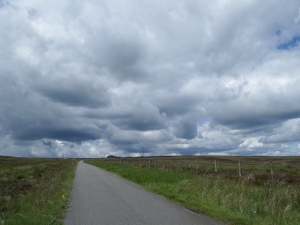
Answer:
[(274, 167)]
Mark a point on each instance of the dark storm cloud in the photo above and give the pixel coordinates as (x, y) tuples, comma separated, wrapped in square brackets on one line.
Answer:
[(139, 116), (185, 127), (141, 119), (52, 128), (139, 123), (250, 116), (176, 103), (122, 58), (188, 130), (25, 115), (255, 122), (57, 134), (83, 95), (47, 143)]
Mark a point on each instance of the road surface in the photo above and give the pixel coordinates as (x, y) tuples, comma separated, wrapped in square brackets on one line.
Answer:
[(99, 198)]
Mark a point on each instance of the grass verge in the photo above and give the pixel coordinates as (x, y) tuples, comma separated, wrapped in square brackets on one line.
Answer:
[(35, 191), (234, 201)]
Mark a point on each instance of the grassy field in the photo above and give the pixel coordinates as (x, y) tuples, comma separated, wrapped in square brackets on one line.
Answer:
[(34, 191), (257, 169), (256, 197)]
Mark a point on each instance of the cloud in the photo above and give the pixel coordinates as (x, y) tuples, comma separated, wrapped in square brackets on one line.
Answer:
[(288, 131), (75, 93), (93, 78), (140, 117), (251, 143)]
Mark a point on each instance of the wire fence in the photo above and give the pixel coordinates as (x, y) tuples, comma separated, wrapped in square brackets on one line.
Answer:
[(281, 168)]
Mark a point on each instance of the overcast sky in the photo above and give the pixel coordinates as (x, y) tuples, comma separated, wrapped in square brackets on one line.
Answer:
[(88, 78)]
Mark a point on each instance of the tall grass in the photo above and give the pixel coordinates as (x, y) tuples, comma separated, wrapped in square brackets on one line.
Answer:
[(235, 201)]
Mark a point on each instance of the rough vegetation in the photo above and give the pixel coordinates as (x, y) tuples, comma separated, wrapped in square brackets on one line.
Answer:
[(34, 191)]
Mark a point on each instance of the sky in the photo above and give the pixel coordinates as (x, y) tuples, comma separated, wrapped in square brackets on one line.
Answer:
[(91, 78)]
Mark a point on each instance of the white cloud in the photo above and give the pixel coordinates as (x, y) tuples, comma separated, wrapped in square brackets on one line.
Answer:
[(251, 143)]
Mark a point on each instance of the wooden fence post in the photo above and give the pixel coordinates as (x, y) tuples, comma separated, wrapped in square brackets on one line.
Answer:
[(216, 167), (172, 163), (155, 163), (271, 169), (163, 163), (197, 167), (240, 170)]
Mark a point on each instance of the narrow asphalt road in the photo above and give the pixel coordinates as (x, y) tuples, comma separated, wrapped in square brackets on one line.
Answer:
[(99, 198)]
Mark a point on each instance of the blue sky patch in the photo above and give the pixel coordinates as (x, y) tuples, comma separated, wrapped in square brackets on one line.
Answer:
[(289, 44), (204, 120)]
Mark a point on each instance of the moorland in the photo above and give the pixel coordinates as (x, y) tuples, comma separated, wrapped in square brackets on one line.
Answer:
[(234, 189), (34, 190)]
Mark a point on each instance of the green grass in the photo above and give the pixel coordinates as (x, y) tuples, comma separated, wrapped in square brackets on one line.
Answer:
[(31, 190), (234, 201)]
